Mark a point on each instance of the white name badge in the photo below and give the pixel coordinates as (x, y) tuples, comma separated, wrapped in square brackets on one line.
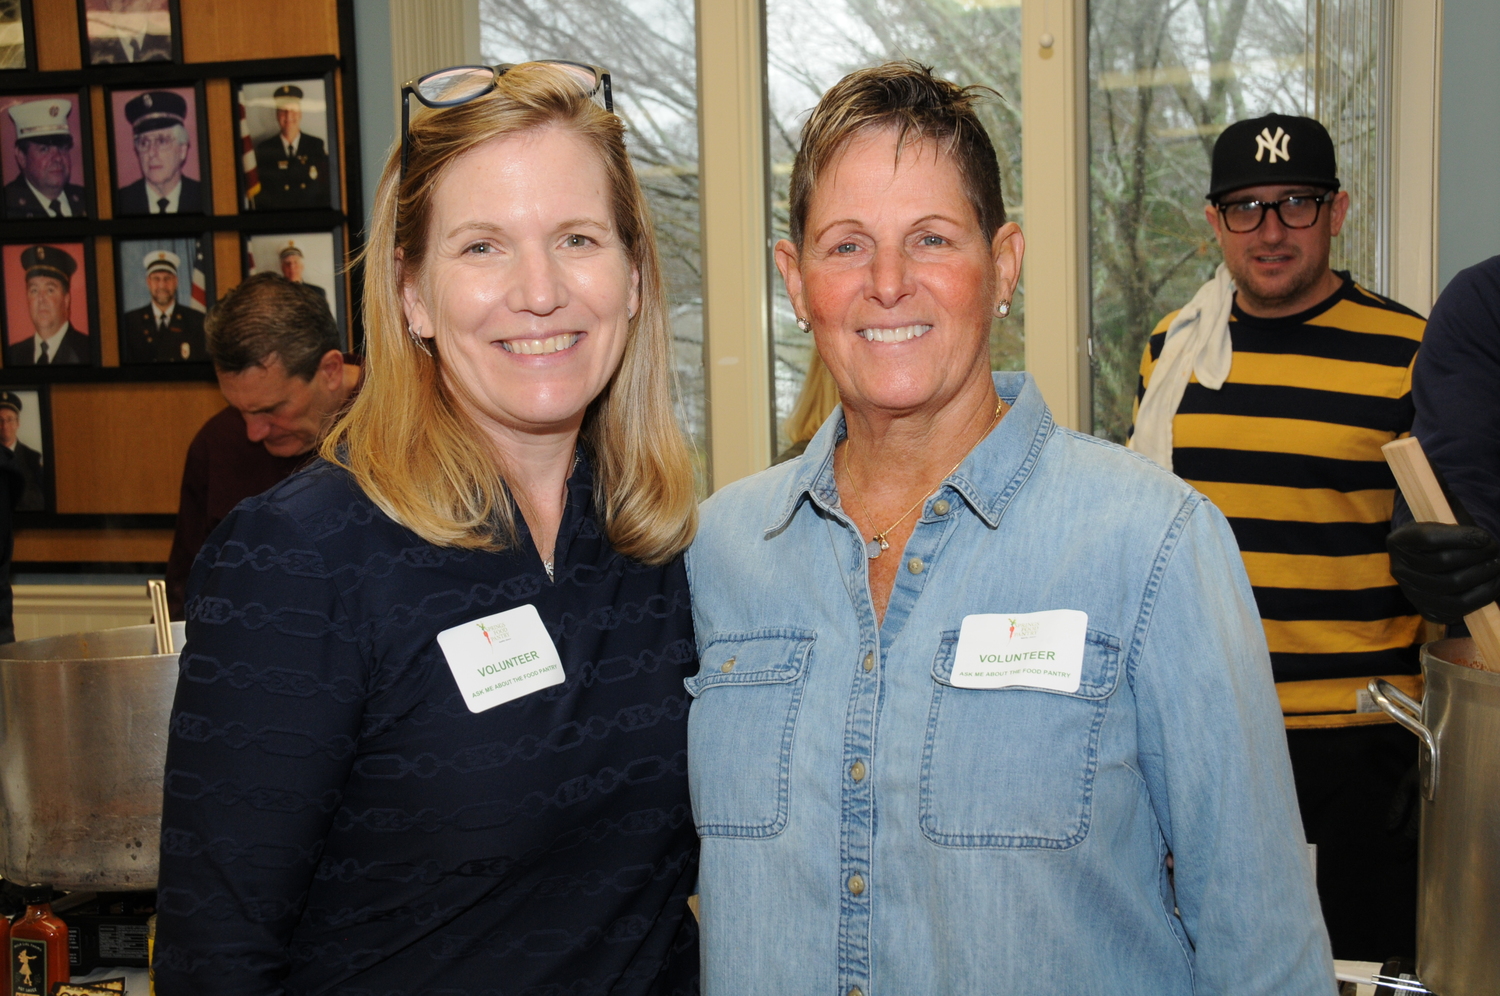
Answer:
[(501, 657), (1034, 649)]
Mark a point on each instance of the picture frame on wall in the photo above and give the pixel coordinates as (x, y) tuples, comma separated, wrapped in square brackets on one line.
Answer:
[(312, 258), (289, 139), (46, 155), (17, 37), (115, 32), (26, 430), (164, 285), (158, 150), (50, 314)]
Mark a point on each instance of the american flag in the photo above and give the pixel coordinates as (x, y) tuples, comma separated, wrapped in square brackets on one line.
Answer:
[(247, 159), (200, 282)]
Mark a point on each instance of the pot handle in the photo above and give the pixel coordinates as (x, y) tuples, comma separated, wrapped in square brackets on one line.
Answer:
[(1405, 710)]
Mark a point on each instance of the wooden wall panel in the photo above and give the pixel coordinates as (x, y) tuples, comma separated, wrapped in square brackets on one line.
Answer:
[(223, 150), (57, 44), (221, 30), (102, 186), (109, 318), (119, 448), (228, 264), (140, 546)]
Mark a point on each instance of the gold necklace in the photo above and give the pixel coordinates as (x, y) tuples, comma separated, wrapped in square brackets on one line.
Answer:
[(878, 540)]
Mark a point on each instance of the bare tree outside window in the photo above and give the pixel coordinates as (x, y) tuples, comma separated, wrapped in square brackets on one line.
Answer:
[(649, 48), (1165, 78)]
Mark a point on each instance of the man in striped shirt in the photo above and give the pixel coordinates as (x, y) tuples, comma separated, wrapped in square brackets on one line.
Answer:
[(1272, 393)]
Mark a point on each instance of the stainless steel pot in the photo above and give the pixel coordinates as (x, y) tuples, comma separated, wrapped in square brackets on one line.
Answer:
[(1458, 897), (83, 743)]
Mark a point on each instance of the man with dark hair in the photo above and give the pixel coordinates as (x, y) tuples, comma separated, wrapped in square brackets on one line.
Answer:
[(44, 158), (163, 331), (1272, 392), (275, 349), (158, 122)]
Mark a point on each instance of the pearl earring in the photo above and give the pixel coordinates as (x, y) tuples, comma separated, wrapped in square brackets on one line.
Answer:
[(1002, 309), (804, 325)]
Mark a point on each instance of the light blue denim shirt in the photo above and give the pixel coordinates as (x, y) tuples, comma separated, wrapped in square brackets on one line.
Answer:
[(869, 827)]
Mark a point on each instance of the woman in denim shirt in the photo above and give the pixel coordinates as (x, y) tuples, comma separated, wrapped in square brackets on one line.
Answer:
[(969, 679)]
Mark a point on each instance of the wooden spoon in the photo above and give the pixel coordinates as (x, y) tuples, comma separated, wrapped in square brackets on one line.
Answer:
[(1428, 504)]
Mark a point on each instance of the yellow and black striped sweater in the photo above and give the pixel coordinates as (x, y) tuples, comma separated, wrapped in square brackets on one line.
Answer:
[(1289, 450)]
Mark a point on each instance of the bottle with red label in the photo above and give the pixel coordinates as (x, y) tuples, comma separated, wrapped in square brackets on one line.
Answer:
[(38, 946)]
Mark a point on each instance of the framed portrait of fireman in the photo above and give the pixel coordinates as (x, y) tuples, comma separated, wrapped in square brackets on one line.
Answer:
[(164, 286), (26, 430), (288, 144), (312, 258), (158, 158), (50, 313), (44, 156), (126, 31)]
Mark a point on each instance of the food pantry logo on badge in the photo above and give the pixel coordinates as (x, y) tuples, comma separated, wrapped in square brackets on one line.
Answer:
[(1025, 630), (1030, 649), (494, 633), (501, 657)]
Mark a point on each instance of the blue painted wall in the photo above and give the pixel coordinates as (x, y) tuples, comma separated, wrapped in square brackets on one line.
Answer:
[(377, 87), (1468, 199)]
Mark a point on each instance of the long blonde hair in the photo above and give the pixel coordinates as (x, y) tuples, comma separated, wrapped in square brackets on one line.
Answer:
[(407, 440)]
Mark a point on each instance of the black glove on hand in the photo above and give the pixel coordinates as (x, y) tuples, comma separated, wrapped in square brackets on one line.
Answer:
[(1446, 571)]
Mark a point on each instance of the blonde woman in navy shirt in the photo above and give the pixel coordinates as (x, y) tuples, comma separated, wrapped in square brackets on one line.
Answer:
[(430, 728)]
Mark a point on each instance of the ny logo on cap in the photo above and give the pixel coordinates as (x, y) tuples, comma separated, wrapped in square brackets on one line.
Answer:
[(1274, 144)]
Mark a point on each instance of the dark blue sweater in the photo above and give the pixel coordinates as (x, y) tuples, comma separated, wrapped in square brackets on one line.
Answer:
[(1456, 389), (337, 821)]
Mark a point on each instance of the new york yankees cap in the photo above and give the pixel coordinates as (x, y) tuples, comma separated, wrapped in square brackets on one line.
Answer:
[(1277, 148)]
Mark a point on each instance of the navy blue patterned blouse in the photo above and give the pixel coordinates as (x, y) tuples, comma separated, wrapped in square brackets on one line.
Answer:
[(337, 821)]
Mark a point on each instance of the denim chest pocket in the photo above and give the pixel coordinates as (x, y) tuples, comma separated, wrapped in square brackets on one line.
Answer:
[(1014, 767), (740, 733)]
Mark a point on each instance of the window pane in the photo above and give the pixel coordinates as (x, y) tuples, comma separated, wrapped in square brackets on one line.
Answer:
[(812, 44), (1165, 78), (649, 48)]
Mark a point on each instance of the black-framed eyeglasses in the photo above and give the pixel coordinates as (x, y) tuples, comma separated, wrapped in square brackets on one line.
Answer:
[(1296, 211), (461, 84)]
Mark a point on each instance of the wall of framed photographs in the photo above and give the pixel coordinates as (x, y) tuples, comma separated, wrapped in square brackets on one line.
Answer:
[(153, 153)]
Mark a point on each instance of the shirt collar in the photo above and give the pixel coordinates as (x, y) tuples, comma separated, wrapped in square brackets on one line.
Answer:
[(172, 199), (64, 208), (988, 478)]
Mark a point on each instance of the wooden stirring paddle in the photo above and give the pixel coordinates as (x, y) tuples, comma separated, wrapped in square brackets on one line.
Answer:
[(1428, 504)]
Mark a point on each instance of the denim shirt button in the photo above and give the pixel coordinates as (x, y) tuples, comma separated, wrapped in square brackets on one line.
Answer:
[(856, 884), (857, 771), (915, 565), (727, 666), (940, 507), (856, 991), (870, 662)]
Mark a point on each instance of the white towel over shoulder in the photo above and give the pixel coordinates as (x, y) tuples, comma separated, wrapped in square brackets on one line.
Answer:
[(1197, 342)]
